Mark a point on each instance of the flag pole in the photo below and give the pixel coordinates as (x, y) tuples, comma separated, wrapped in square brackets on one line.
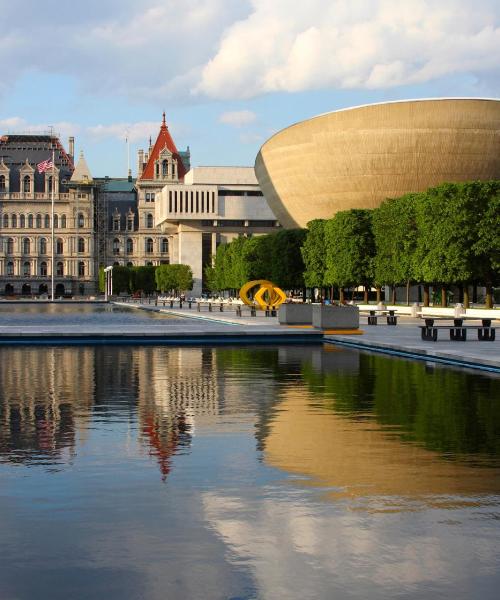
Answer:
[(52, 222)]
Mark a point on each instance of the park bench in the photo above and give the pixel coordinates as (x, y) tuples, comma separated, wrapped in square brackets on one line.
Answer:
[(457, 331), (392, 318)]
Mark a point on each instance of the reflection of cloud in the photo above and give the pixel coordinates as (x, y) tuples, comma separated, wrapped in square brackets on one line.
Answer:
[(298, 549)]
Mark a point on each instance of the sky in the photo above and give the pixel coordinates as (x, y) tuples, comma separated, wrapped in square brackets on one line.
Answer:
[(229, 73)]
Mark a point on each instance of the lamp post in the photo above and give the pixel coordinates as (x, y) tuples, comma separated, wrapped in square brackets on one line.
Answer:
[(108, 283)]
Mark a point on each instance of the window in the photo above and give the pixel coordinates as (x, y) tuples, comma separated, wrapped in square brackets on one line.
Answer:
[(81, 245), (26, 184), (130, 264), (164, 245), (47, 222), (149, 245), (116, 223), (59, 246), (152, 197), (26, 246), (116, 246), (63, 222), (164, 169), (56, 222), (59, 269), (149, 221), (10, 246), (80, 220), (148, 197), (50, 182), (2, 183), (130, 223), (6, 220), (10, 268), (14, 220), (26, 269), (81, 269), (39, 221), (130, 246), (43, 246), (22, 221), (43, 269), (30, 221)]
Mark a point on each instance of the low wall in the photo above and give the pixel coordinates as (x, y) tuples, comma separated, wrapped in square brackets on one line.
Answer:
[(335, 317), (295, 314)]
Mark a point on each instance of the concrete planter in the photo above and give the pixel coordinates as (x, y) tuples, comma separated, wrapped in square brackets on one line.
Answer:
[(335, 317), (295, 314)]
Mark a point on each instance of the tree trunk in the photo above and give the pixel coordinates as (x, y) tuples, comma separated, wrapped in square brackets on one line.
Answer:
[(461, 293), (393, 299), (466, 300), (489, 296), (304, 294), (365, 295), (444, 302), (426, 295), (408, 293), (474, 293), (379, 294), (341, 295)]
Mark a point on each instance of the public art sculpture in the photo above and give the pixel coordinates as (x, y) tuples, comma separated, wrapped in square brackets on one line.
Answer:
[(268, 296)]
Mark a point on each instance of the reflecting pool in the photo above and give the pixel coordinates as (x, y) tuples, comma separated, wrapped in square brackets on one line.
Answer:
[(241, 473)]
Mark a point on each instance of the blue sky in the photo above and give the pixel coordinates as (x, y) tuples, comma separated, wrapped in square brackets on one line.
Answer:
[(229, 73)]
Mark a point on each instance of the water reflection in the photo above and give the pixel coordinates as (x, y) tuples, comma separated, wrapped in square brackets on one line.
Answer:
[(245, 473)]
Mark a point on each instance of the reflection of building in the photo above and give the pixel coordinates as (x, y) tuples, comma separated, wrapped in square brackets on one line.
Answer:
[(358, 157), (43, 401)]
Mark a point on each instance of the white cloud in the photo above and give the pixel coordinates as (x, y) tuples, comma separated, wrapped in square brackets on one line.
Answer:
[(20, 125), (238, 118), (284, 46), (136, 132)]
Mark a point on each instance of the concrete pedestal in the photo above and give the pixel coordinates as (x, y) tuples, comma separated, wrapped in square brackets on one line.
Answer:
[(295, 314), (335, 317)]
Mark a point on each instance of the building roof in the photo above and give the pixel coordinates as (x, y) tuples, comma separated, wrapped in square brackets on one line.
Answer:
[(164, 140), (82, 171), (119, 185)]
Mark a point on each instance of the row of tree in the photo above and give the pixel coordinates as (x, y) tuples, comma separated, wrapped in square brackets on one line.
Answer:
[(148, 279), (446, 236)]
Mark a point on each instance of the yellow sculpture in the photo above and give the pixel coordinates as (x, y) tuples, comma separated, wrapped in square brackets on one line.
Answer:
[(267, 296)]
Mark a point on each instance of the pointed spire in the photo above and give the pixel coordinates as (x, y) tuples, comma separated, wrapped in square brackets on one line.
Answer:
[(163, 123), (82, 171)]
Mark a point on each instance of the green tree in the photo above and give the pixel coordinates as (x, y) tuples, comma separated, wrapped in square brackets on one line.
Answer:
[(314, 254), (143, 279), (350, 249)]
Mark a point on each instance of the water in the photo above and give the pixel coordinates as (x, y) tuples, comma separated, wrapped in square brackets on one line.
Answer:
[(241, 473)]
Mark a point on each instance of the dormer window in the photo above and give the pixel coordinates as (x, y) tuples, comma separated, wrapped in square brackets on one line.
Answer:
[(116, 223), (2, 183), (26, 184), (164, 169)]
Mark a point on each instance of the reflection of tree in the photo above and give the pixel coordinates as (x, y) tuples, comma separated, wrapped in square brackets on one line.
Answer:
[(444, 409)]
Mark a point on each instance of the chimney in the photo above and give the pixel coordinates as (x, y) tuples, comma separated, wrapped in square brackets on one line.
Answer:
[(71, 145), (140, 162)]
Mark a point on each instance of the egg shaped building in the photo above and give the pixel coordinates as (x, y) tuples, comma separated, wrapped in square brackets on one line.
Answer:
[(358, 157)]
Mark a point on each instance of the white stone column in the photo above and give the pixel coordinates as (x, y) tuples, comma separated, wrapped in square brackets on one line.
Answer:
[(190, 247)]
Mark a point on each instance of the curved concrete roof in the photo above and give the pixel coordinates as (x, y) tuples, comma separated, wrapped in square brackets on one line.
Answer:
[(357, 157)]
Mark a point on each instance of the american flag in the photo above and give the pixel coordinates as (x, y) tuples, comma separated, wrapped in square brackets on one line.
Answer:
[(45, 165)]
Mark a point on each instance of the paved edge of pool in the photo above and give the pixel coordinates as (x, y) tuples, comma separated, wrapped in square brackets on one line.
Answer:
[(394, 350)]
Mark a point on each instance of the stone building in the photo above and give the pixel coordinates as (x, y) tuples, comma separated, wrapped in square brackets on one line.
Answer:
[(170, 213)]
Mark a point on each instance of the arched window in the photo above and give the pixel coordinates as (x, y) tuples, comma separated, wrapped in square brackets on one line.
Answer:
[(47, 222), (26, 269), (10, 268), (56, 222), (26, 184), (164, 245), (43, 246), (14, 221), (149, 220), (2, 183), (22, 221), (6, 221), (81, 245), (59, 246), (149, 245), (130, 222), (80, 220), (130, 246), (81, 269), (130, 264), (39, 221), (164, 169), (59, 269), (26, 245), (116, 223), (63, 222), (116, 246), (43, 269), (10, 246), (30, 221)]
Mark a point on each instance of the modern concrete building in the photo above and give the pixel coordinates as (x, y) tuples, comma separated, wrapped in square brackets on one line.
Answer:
[(358, 157)]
